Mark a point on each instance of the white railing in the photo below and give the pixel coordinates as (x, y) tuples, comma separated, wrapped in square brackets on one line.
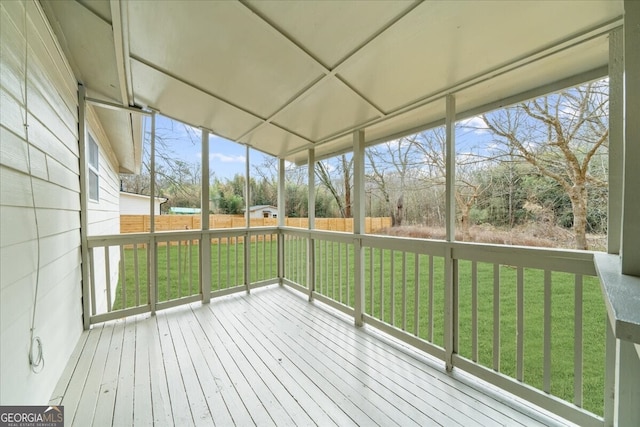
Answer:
[(504, 314), (530, 321), (137, 273)]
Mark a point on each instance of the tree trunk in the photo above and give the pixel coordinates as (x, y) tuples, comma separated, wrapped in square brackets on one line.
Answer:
[(346, 170), (578, 196), (465, 222)]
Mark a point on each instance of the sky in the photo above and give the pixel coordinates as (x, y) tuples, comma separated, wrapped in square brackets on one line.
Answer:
[(226, 158)]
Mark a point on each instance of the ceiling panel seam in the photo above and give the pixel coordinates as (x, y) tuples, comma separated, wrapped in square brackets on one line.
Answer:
[(192, 85), (574, 80), (326, 70), (270, 119), (496, 72), (513, 65), (262, 121)]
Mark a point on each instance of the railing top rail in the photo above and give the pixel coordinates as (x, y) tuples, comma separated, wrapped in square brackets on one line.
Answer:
[(560, 260)]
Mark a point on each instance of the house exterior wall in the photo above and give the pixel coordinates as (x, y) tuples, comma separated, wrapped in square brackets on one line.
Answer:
[(136, 204), (49, 155), (104, 214), (259, 213)]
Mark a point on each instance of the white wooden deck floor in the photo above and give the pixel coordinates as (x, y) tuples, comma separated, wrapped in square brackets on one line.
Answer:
[(269, 358)]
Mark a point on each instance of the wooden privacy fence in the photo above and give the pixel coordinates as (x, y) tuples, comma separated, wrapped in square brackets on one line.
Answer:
[(140, 223)]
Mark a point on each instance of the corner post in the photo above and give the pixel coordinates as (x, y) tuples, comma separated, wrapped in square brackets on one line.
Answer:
[(311, 252), (84, 222), (205, 240), (450, 264), (281, 219), (358, 225), (630, 245), (616, 139)]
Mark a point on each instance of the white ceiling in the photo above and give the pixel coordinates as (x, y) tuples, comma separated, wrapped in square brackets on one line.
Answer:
[(285, 76)]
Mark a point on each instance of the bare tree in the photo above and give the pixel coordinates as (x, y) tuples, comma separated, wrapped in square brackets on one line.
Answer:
[(340, 189), (389, 167), (559, 135)]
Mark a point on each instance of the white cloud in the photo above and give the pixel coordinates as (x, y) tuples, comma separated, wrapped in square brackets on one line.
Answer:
[(475, 124), (224, 158)]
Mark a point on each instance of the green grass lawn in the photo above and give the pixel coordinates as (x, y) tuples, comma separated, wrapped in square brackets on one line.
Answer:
[(334, 278)]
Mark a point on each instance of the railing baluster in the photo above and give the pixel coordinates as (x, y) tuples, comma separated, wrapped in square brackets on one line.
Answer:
[(237, 279), (326, 270), (474, 311), (257, 252), (371, 291), (340, 268), (430, 327), (381, 284), (218, 244), (577, 349), (168, 246), (123, 277), (264, 257), (333, 284), (404, 291), (416, 295), (392, 297), (179, 268), (190, 249), (92, 275), (319, 281), (228, 262), (496, 317), (348, 284), (520, 326), (136, 274), (107, 274), (270, 272), (547, 332)]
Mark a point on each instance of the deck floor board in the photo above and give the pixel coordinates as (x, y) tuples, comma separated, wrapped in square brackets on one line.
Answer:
[(268, 358)]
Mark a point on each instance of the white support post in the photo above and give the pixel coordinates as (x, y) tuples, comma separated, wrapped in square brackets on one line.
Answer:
[(609, 374), (281, 219), (152, 262), (247, 236), (205, 240), (616, 139), (84, 222), (358, 225), (630, 246), (450, 264), (311, 253), (450, 168), (627, 394)]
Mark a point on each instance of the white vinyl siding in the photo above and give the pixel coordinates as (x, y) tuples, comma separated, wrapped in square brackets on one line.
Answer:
[(50, 155), (93, 169), (104, 211)]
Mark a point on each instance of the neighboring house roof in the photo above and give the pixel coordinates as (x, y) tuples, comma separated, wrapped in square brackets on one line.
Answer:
[(144, 196), (282, 83), (261, 207), (178, 210)]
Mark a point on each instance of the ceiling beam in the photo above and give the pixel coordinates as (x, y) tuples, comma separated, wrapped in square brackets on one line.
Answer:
[(121, 57)]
